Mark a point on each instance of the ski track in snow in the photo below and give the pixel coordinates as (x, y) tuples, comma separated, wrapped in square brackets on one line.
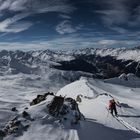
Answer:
[(94, 110), (127, 125), (124, 123)]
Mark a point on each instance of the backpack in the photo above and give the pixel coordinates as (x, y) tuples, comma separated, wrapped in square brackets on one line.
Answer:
[(110, 104)]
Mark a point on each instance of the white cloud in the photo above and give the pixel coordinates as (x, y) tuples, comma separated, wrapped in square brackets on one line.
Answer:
[(117, 43), (119, 30), (12, 25), (114, 11), (112, 17), (5, 4), (66, 27), (64, 16), (18, 5), (39, 6), (18, 27), (119, 15), (107, 42), (27, 8)]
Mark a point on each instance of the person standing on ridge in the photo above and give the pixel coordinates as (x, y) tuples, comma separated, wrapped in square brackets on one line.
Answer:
[(112, 107)]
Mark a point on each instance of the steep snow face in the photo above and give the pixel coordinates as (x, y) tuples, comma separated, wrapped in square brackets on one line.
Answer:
[(80, 87)]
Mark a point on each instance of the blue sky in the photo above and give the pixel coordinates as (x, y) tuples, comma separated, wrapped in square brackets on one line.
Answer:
[(69, 24)]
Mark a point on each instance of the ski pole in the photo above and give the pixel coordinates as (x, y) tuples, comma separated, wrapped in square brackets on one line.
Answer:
[(121, 110), (107, 112), (106, 116)]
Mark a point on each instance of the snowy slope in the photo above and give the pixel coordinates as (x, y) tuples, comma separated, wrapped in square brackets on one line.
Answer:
[(95, 110), (23, 75), (81, 87), (129, 80), (98, 123)]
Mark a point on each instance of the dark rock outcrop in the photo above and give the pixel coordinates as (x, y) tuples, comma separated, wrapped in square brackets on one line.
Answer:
[(55, 106), (14, 109), (14, 126), (101, 67), (40, 98), (65, 109)]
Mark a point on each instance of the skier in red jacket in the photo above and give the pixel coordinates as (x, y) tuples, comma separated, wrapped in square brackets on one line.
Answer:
[(112, 107)]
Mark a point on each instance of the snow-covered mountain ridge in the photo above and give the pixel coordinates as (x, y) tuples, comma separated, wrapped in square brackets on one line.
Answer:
[(119, 53), (101, 63), (95, 95), (24, 75)]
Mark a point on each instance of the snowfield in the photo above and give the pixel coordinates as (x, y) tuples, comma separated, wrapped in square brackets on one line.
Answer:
[(99, 124)]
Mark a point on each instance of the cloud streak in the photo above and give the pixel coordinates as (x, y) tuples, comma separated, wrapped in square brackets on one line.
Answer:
[(66, 27), (27, 8), (69, 24), (12, 24), (68, 43), (119, 15)]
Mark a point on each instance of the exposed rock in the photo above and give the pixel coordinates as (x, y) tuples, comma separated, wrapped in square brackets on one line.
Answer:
[(100, 66), (2, 133), (78, 99), (66, 109), (14, 109), (25, 114), (13, 126), (55, 105), (40, 98)]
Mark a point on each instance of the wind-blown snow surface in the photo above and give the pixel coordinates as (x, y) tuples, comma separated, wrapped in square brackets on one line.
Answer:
[(81, 87), (98, 123)]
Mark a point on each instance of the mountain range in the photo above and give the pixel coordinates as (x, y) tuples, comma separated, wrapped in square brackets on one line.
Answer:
[(98, 63)]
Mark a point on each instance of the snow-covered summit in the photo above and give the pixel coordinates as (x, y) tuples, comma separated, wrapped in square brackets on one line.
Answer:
[(119, 53), (129, 80), (129, 76), (79, 87)]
